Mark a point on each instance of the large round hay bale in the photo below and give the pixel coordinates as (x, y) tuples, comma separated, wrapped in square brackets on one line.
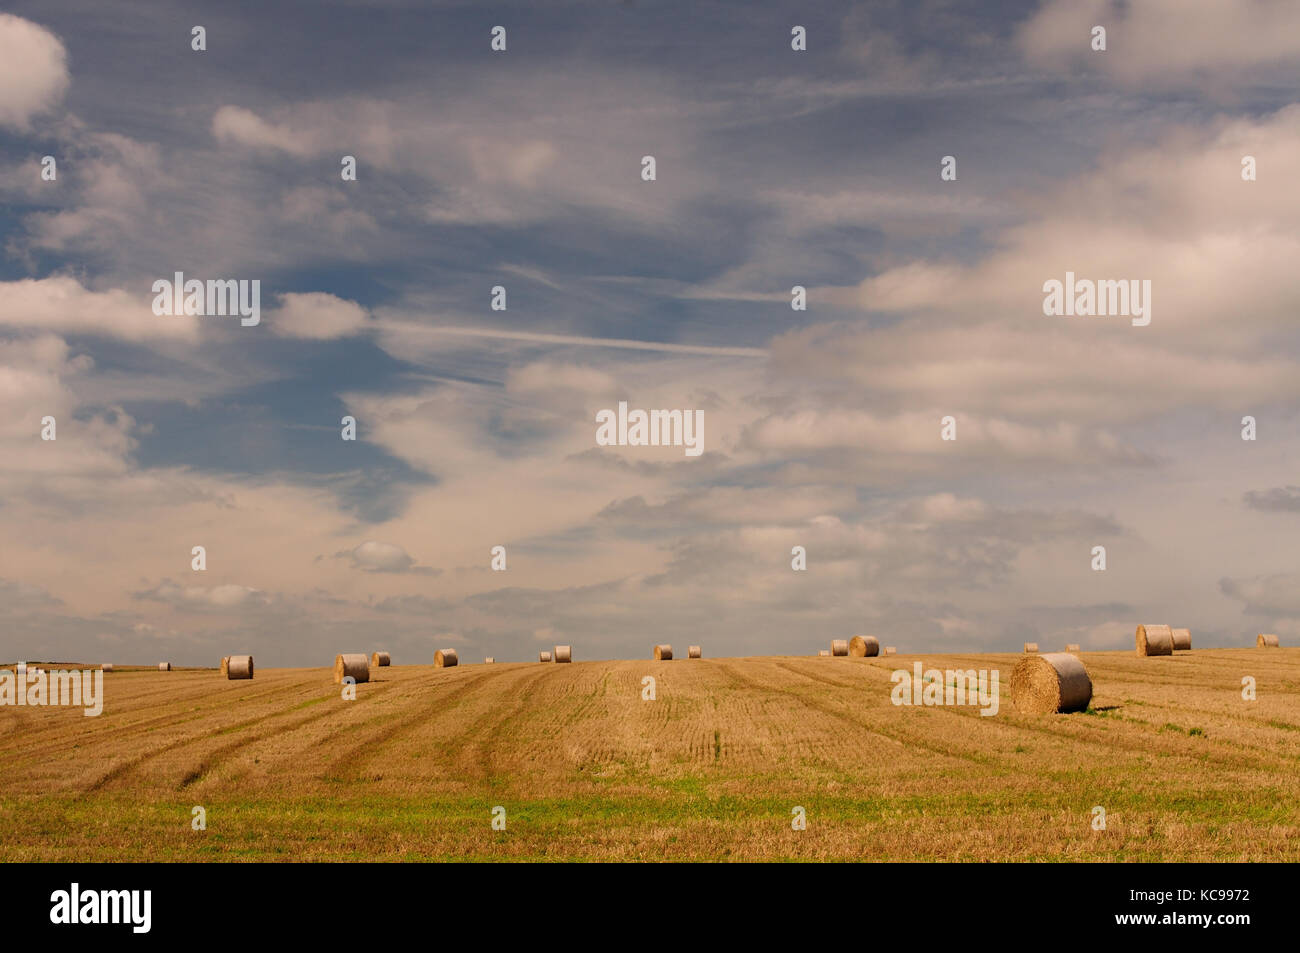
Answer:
[(380, 659), (1182, 639), (694, 651), (489, 660), (543, 656), (564, 653), (839, 647), (1031, 647), (823, 653), (663, 653), (225, 665), (1266, 641), (164, 666), (889, 650), (1155, 640), (354, 664), (1055, 682), (106, 667), (239, 667), (1071, 646), (864, 646), (445, 658)]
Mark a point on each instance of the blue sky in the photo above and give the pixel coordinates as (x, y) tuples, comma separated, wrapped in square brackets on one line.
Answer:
[(476, 427)]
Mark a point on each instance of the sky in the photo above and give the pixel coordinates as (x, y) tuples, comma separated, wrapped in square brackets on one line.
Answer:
[(476, 428)]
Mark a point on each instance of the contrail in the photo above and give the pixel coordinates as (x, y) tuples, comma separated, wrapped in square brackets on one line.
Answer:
[(587, 341)]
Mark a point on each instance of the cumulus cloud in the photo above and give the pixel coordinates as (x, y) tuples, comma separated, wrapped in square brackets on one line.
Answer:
[(317, 316), (1276, 595), (33, 71), (222, 598), (375, 556), (1166, 42), (235, 124), (917, 436), (63, 304)]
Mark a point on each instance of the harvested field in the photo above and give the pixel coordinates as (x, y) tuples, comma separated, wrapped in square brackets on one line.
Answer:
[(287, 770)]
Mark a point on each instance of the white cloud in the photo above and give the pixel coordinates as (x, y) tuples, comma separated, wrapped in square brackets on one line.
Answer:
[(62, 304), (1164, 43), (374, 556), (33, 71), (244, 127), (206, 598), (317, 316)]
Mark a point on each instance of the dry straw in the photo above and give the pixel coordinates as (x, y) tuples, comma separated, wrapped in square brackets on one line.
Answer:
[(1055, 682), (354, 664), (239, 667), (863, 646), (1155, 640), (445, 658), (1182, 639), (1266, 641), (380, 659), (1072, 646), (225, 665), (839, 647), (1031, 646), (164, 666), (543, 656), (564, 653), (663, 653), (694, 651)]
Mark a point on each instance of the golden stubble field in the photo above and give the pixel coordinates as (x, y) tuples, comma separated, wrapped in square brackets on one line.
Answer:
[(711, 769)]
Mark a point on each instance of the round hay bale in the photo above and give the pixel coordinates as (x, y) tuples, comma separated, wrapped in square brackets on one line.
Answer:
[(1045, 684), (1031, 646), (663, 653), (564, 653), (489, 660), (1071, 646), (694, 651), (106, 667), (239, 667), (889, 650), (380, 659), (864, 646), (823, 653), (1266, 641), (839, 647), (1155, 640), (164, 666), (354, 664), (445, 658), (543, 656), (1182, 639), (225, 665)]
